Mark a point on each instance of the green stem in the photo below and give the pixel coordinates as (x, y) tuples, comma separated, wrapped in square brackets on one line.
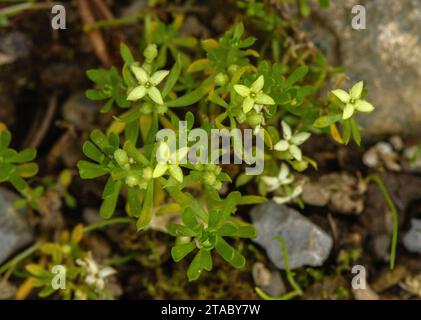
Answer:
[(376, 178), (290, 277), (102, 224), (20, 257)]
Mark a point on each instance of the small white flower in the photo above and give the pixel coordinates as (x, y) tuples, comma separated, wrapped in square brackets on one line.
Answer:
[(291, 142), (295, 193), (284, 178), (254, 95), (95, 275), (169, 161), (147, 85), (353, 101)]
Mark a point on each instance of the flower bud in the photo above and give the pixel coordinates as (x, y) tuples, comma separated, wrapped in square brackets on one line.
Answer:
[(122, 158), (209, 178), (132, 180), (147, 108), (221, 79), (254, 119), (241, 117), (161, 109), (233, 69), (151, 52), (300, 165)]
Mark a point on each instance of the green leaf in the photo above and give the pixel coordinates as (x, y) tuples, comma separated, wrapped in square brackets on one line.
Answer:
[(126, 54), (247, 200), (346, 131), (27, 170), (134, 201), (5, 138), (98, 76), (216, 218), (89, 170), (326, 121), (188, 99), (110, 202), (99, 138), (202, 261), (19, 184), (24, 156), (296, 76), (110, 188), (178, 252), (95, 95), (107, 106), (229, 254), (134, 153), (231, 230), (179, 230), (145, 217), (304, 7), (37, 270), (189, 218), (131, 131), (6, 170), (243, 179), (92, 152), (355, 129), (172, 78)]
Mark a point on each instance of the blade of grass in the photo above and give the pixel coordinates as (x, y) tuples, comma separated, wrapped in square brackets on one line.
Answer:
[(376, 178), (290, 277)]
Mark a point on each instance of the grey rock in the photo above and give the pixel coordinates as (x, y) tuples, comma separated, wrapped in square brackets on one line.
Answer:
[(14, 45), (386, 55), (80, 111), (412, 239), (307, 244), (269, 281), (15, 230)]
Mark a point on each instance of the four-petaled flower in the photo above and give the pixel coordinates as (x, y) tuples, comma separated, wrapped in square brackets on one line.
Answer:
[(253, 95), (284, 178), (169, 161), (294, 194), (147, 85), (95, 276), (291, 142), (353, 101)]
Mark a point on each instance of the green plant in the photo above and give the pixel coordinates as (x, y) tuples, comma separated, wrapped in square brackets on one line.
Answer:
[(205, 231), (82, 277), (15, 167), (230, 92)]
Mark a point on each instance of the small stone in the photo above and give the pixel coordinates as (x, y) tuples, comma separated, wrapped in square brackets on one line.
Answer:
[(7, 289), (389, 278), (269, 281), (80, 111), (412, 239), (341, 192), (15, 230), (314, 195), (365, 294), (307, 244), (412, 284), (14, 45), (382, 153)]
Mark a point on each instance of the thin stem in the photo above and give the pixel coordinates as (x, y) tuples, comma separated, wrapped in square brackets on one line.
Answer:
[(102, 224), (290, 277), (23, 255), (376, 178)]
